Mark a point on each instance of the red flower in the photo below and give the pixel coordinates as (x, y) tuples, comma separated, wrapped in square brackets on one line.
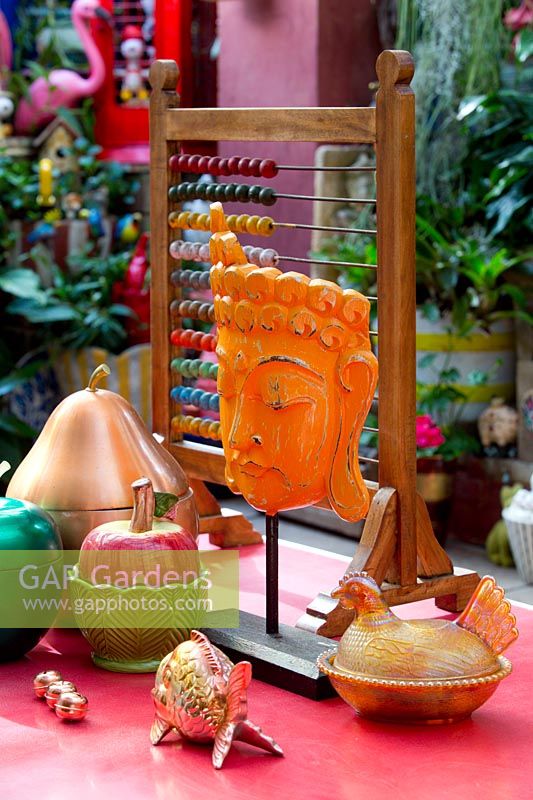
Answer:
[(428, 433), (521, 17)]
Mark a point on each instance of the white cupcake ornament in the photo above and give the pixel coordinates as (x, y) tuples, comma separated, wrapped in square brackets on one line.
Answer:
[(518, 517)]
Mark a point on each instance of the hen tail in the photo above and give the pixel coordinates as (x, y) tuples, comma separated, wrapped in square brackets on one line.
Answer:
[(236, 711), (488, 615)]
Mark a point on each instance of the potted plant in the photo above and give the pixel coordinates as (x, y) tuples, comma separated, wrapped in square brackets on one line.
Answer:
[(77, 322)]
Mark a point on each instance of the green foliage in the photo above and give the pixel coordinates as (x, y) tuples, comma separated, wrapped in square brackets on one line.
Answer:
[(77, 309), (457, 46), (499, 163), (463, 274)]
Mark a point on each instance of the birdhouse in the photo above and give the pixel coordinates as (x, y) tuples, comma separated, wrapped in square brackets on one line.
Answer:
[(56, 143), (142, 31)]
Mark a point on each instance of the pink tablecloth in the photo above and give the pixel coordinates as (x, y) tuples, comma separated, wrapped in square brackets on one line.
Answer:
[(329, 753)]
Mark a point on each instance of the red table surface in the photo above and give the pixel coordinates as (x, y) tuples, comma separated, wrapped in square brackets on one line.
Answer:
[(329, 753)]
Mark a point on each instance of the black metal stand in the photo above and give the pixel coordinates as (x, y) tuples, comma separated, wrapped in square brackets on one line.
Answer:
[(280, 655), (272, 573)]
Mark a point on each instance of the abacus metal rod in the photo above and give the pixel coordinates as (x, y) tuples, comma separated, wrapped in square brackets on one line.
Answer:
[(272, 574), (327, 169), (367, 459), (296, 259), (370, 429), (325, 228), (360, 200)]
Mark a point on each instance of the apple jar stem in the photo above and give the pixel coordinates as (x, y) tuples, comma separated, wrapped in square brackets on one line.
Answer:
[(143, 506)]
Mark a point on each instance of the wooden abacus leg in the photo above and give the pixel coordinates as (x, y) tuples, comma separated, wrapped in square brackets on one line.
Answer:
[(377, 554), (226, 528)]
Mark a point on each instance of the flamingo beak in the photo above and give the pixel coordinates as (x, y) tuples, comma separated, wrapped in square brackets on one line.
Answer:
[(101, 13)]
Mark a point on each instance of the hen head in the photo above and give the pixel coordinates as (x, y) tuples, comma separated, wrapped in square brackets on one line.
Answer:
[(357, 590)]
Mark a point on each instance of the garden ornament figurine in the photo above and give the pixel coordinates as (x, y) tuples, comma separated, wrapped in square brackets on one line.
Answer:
[(296, 379), (201, 695), (64, 87)]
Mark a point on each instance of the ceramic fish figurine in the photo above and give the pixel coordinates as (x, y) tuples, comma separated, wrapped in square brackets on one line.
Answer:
[(202, 695), (378, 643), (427, 671)]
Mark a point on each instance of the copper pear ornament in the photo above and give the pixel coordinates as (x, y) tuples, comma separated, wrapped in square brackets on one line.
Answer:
[(92, 448), (201, 695)]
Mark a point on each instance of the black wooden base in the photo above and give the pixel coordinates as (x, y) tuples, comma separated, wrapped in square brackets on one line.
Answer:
[(286, 659)]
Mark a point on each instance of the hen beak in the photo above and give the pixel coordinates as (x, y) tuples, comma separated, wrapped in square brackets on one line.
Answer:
[(337, 593), (103, 14)]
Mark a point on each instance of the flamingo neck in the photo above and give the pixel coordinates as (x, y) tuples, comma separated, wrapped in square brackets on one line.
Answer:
[(94, 57)]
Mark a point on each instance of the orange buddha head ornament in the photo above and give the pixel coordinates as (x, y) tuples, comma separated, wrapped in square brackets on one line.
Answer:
[(296, 379)]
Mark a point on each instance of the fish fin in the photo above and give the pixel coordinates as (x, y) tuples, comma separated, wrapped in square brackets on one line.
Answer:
[(159, 730), (209, 651), (237, 703), (252, 734), (488, 616), (222, 744)]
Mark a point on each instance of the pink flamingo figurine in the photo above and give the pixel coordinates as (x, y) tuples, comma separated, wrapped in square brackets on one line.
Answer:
[(64, 87)]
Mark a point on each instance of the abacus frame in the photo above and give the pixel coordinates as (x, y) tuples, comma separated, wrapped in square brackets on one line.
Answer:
[(398, 547)]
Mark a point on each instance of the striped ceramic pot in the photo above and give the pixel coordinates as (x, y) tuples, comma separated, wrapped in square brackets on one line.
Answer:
[(477, 352), (130, 374)]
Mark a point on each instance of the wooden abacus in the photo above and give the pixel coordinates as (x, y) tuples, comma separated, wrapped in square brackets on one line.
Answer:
[(398, 547)]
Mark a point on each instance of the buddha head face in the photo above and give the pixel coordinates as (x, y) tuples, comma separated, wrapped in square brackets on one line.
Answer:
[(296, 378)]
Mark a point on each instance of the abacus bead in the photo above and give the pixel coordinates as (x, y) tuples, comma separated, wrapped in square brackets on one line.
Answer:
[(233, 164), (187, 251), (192, 191), (220, 192), (173, 163), (247, 250), (214, 403), (229, 192), (201, 190), (196, 338), (209, 342), (203, 312), (193, 219), (193, 163), (204, 253), (255, 165), (255, 255), (173, 193), (244, 167), (203, 222), (255, 192), (183, 219), (265, 226), (181, 191), (183, 308), (174, 249), (196, 396), (195, 250), (268, 168), (252, 223), (224, 167), (183, 163), (240, 223), (242, 193), (269, 257), (195, 280), (203, 164), (212, 165), (211, 192), (231, 219), (214, 430), (267, 196), (204, 370)]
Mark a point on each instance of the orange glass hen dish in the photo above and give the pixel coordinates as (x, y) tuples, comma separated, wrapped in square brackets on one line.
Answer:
[(419, 670)]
